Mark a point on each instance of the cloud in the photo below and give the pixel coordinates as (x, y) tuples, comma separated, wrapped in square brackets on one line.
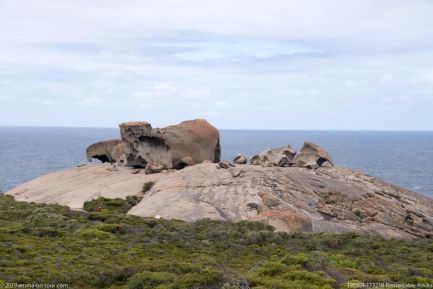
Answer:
[(243, 64)]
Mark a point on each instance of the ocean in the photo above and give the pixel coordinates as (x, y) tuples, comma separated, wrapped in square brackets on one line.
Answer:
[(402, 158)]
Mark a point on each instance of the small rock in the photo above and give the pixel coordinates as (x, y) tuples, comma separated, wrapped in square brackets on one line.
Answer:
[(255, 160), (134, 172), (236, 173), (285, 162), (224, 165), (113, 167), (253, 206), (153, 169), (240, 160)]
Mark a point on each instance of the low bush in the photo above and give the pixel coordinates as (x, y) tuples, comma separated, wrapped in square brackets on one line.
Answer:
[(151, 280), (110, 249), (117, 205)]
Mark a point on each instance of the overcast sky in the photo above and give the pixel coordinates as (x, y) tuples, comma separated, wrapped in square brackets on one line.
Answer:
[(274, 64)]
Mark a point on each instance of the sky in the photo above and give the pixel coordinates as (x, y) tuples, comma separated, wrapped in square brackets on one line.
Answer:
[(240, 64)]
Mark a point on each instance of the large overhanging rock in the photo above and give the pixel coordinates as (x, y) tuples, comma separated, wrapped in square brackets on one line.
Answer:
[(280, 157), (188, 143), (102, 150), (312, 156)]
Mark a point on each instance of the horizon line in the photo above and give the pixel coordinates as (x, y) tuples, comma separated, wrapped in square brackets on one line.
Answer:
[(234, 129)]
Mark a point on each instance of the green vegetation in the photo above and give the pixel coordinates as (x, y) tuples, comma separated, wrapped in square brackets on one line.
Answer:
[(109, 249), (147, 186), (117, 205)]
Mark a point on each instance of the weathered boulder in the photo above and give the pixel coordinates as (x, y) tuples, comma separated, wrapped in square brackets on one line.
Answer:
[(240, 160), (280, 157), (102, 150), (144, 145), (195, 139), (188, 143), (312, 156)]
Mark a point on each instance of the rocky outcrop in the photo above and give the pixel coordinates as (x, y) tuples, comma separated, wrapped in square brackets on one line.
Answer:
[(312, 156), (292, 199), (102, 150), (293, 193), (188, 143), (280, 157)]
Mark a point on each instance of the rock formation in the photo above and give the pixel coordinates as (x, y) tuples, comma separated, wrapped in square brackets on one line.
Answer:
[(280, 157), (188, 143), (293, 193), (102, 150), (292, 199), (312, 156)]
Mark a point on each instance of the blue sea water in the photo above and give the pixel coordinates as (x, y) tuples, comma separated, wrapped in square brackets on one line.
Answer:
[(403, 158)]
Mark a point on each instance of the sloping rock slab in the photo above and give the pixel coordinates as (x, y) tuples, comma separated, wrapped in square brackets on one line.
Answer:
[(325, 200), (75, 186), (291, 199)]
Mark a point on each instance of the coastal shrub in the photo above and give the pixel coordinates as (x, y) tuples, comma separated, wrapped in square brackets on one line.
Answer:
[(117, 205), (230, 286), (298, 259), (150, 280), (110, 249), (206, 277), (287, 273), (90, 233), (341, 261)]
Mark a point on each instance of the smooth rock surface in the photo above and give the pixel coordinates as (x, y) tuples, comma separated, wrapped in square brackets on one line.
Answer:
[(73, 187), (292, 199)]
